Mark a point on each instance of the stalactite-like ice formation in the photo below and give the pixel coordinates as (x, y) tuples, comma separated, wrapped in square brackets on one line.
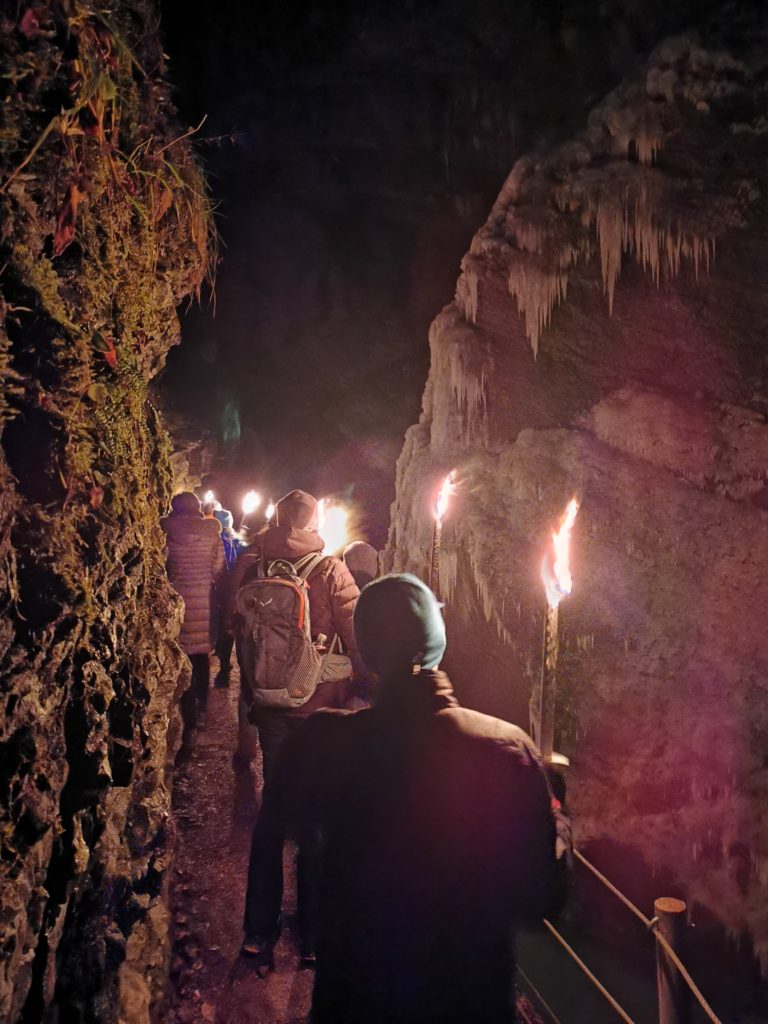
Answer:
[(616, 190)]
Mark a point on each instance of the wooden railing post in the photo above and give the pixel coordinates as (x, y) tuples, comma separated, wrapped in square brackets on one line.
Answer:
[(674, 996)]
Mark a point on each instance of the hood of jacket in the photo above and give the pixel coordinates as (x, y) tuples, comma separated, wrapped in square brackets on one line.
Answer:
[(289, 542)]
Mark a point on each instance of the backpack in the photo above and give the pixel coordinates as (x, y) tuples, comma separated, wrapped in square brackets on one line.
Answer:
[(280, 667)]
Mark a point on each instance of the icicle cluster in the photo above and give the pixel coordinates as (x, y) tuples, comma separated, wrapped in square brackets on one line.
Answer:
[(606, 192), (460, 360)]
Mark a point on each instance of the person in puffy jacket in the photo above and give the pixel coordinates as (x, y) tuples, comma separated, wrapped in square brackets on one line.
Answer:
[(332, 599), (196, 565), (441, 835)]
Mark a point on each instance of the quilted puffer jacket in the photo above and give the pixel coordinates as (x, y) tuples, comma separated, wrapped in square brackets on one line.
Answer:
[(196, 566), (333, 595)]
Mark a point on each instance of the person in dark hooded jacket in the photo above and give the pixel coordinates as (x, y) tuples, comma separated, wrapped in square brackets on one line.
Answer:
[(195, 563), (440, 835)]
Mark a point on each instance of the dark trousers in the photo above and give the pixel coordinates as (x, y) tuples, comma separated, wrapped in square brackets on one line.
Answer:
[(264, 896), (224, 644), (195, 699)]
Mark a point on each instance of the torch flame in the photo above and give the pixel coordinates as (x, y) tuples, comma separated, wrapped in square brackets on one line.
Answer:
[(208, 497), (270, 510), (332, 526), (251, 502), (447, 488), (555, 569)]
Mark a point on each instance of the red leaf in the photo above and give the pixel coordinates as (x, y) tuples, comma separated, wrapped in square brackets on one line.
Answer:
[(66, 220), (29, 26), (110, 353), (95, 496)]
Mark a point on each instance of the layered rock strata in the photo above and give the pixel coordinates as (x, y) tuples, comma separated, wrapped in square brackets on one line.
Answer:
[(608, 340), (104, 229)]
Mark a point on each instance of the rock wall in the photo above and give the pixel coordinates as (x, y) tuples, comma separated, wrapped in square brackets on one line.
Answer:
[(104, 229), (608, 340)]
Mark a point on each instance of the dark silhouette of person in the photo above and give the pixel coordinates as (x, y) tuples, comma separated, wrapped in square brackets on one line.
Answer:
[(195, 563), (440, 834)]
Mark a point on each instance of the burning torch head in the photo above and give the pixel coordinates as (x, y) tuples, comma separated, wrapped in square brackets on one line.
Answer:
[(556, 568), (398, 624), (447, 488)]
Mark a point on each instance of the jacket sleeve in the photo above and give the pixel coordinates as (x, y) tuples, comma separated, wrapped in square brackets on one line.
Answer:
[(542, 843), (344, 595), (218, 563)]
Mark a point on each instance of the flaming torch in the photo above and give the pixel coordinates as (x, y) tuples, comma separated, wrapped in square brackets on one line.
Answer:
[(556, 576), (447, 488), (209, 497), (251, 502), (269, 511), (332, 525)]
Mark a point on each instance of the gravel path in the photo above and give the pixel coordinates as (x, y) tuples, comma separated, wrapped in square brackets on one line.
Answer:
[(214, 810)]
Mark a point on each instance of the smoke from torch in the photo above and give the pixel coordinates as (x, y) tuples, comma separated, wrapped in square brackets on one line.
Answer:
[(558, 583), (447, 488)]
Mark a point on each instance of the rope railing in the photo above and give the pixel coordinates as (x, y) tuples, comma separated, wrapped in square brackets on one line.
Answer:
[(652, 924), (593, 978)]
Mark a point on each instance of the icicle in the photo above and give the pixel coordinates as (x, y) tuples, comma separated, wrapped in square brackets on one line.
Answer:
[(449, 567)]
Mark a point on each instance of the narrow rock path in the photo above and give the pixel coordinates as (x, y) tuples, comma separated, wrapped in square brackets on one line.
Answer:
[(215, 808), (214, 811)]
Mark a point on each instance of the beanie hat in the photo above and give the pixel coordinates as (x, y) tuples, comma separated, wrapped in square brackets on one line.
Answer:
[(225, 518), (398, 624), (297, 509), (185, 503), (361, 557)]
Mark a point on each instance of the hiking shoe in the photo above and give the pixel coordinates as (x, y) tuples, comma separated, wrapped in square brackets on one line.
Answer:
[(260, 950), (221, 682)]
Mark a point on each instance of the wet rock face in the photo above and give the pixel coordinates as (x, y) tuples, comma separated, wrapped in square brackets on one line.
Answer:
[(103, 230), (654, 413)]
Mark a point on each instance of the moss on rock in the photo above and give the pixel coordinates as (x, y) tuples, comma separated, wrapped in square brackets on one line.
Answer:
[(105, 226)]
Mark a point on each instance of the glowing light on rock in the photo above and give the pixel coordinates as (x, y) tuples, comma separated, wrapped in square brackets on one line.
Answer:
[(556, 568), (251, 502), (333, 526)]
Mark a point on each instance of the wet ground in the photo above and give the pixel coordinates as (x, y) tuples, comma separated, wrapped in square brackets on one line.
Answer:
[(215, 808)]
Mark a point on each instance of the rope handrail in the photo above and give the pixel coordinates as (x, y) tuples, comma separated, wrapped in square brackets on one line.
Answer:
[(595, 981), (652, 926), (616, 892)]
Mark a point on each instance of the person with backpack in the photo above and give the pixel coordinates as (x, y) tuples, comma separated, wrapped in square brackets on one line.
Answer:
[(441, 835), (291, 548), (224, 639), (291, 610)]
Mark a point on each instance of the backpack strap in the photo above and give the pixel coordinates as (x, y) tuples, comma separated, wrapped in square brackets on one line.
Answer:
[(305, 565)]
